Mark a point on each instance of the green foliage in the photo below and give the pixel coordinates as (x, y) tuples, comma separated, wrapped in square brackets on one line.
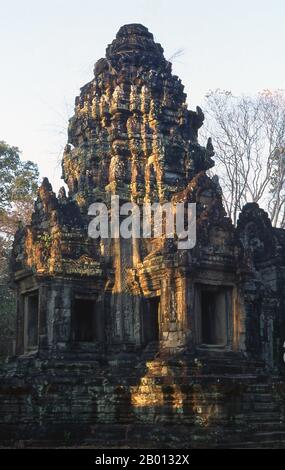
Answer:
[(7, 301), (18, 185), (45, 240), (18, 179)]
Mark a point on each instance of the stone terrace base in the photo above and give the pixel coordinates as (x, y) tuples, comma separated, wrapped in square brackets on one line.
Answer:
[(217, 400)]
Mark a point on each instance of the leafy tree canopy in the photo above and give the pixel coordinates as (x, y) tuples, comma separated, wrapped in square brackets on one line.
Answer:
[(18, 185)]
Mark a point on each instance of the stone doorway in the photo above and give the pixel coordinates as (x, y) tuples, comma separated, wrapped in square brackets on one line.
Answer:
[(31, 319), (151, 318), (213, 314), (84, 324)]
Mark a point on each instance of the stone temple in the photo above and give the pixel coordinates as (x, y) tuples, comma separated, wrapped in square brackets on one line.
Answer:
[(133, 342)]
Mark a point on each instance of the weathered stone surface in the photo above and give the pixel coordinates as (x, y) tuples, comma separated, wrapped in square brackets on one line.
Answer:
[(135, 342)]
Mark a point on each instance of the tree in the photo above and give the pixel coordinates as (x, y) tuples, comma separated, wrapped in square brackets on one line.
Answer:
[(18, 184), (248, 133), (7, 302)]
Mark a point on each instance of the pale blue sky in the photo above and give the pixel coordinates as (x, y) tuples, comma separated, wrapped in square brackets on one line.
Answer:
[(48, 49)]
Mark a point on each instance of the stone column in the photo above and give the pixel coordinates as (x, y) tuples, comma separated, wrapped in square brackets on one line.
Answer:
[(173, 311)]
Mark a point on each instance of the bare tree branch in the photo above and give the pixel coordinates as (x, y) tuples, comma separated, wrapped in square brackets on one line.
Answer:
[(249, 136)]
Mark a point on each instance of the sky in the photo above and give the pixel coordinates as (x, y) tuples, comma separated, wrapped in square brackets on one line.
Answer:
[(48, 50)]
